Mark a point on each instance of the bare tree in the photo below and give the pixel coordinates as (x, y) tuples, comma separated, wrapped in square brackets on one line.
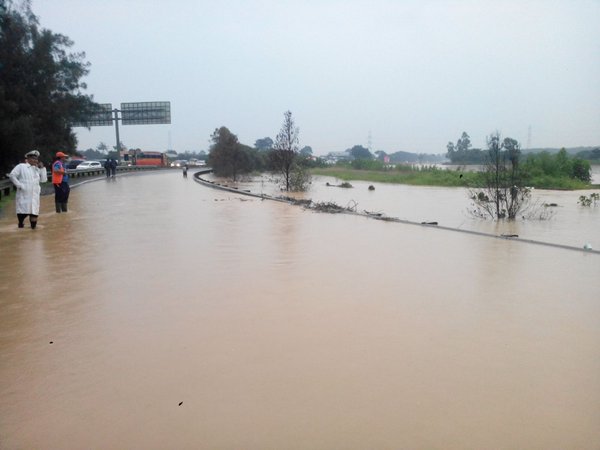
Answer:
[(502, 193), (285, 150)]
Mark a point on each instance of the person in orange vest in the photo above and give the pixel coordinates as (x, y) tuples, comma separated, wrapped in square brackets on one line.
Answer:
[(60, 180)]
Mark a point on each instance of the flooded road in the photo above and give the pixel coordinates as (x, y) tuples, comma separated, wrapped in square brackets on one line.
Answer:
[(160, 314)]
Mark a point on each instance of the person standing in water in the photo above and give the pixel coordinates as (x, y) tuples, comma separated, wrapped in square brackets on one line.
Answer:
[(60, 180), (26, 177), (107, 167)]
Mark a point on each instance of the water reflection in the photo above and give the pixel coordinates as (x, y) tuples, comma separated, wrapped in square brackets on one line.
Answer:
[(283, 328)]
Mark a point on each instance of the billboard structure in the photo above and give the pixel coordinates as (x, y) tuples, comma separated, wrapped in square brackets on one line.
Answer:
[(138, 113), (145, 113), (98, 116)]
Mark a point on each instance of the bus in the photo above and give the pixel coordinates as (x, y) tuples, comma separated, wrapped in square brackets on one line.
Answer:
[(150, 159)]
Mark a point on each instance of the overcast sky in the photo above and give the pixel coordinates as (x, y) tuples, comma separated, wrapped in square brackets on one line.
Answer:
[(412, 75)]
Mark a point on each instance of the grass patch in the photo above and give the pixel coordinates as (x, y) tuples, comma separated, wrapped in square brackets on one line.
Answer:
[(415, 177), (433, 176)]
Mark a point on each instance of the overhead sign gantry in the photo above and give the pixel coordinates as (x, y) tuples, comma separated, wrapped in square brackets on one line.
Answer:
[(136, 113)]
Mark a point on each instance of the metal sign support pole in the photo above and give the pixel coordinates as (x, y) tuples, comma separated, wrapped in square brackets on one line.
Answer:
[(116, 119)]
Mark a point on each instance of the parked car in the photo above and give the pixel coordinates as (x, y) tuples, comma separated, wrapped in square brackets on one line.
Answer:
[(86, 165), (74, 163)]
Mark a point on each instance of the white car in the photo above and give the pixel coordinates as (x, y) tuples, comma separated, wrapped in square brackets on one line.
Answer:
[(86, 165)]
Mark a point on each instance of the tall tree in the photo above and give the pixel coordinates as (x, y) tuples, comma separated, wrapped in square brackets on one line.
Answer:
[(227, 157), (41, 92), (464, 143), (285, 150)]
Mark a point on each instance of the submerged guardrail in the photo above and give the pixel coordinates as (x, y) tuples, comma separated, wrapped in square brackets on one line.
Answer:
[(380, 216)]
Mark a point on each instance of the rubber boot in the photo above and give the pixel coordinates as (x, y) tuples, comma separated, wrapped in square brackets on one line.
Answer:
[(63, 206), (33, 225), (57, 207)]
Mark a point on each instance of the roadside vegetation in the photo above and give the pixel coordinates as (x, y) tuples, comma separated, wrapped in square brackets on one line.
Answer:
[(42, 88), (541, 170), (499, 189), (283, 157), (400, 174)]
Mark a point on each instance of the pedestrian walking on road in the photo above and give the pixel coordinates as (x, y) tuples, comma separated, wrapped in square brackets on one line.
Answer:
[(60, 180), (107, 167), (26, 177), (185, 169), (113, 168)]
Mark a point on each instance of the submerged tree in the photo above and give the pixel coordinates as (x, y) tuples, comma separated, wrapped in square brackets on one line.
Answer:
[(41, 92), (284, 156), (502, 193)]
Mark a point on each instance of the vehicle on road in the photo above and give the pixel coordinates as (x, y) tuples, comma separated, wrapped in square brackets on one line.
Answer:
[(150, 159), (86, 165), (72, 164)]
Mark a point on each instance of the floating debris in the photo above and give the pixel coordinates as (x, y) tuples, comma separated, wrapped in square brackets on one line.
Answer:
[(345, 184), (371, 187), (328, 207)]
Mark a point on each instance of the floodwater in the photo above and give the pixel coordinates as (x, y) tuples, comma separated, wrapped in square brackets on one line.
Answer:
[(159, 313)]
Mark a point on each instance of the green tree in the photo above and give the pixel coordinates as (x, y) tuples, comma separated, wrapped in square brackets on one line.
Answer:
[(360, 152), (464, 143), (306, 151), (41, 92), (264, 144), (462, 153), (227, 157)]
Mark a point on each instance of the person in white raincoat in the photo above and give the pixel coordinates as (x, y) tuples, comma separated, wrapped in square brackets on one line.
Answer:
[(27, 177)]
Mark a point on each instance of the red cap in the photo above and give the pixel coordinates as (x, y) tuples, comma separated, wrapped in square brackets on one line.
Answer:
[(60, 155)]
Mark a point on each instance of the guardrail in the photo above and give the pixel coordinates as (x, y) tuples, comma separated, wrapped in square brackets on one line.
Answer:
[(6, 186)]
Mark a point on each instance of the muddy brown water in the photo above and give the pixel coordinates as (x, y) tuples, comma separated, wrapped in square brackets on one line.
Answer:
[(161, 314)]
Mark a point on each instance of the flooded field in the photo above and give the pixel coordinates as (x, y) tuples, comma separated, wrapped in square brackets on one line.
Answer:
[(159, 313)]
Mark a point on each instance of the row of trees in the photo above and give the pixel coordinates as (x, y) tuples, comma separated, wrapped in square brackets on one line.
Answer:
[(41, 88), (230, 158)]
